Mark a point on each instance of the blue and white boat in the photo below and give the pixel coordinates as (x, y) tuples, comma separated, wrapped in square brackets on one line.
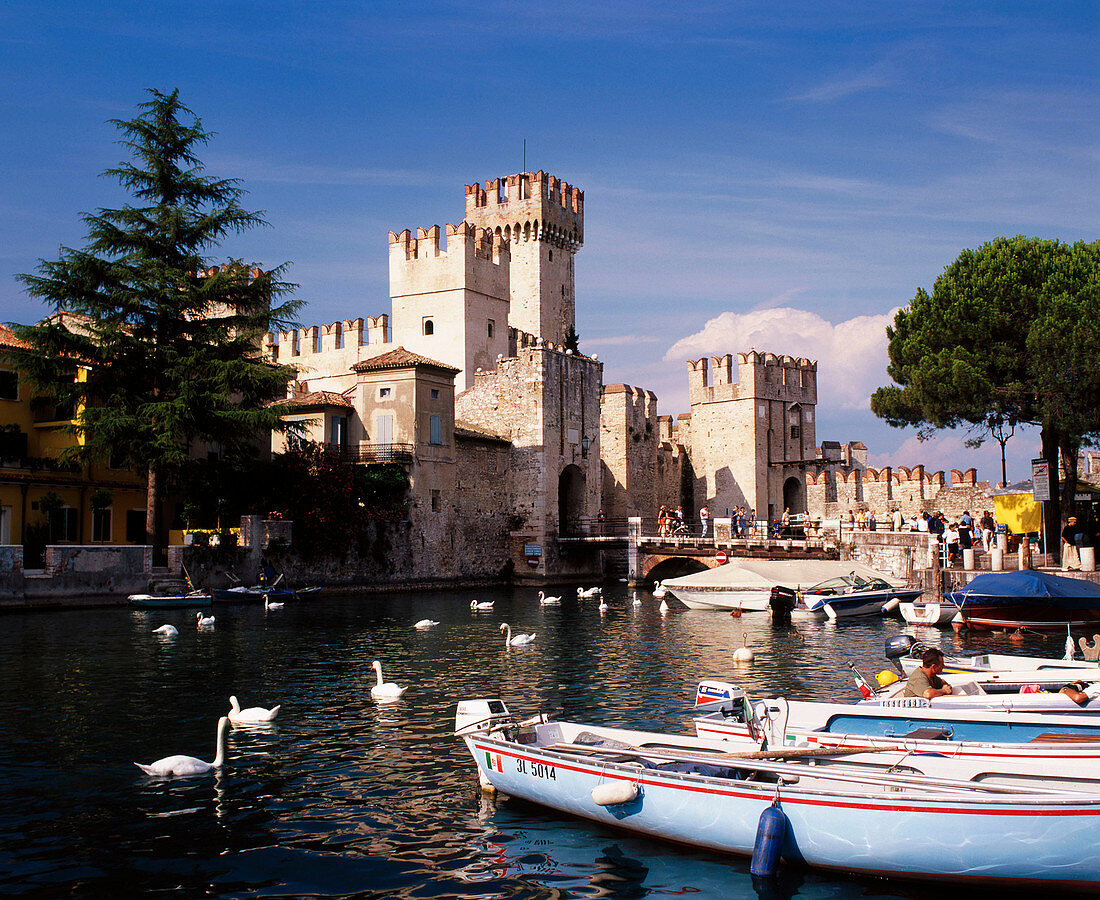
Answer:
[(1027, 599), (694, 792), (849, 596)]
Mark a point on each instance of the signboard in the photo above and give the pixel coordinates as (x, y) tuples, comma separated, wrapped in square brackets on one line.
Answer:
[(532, 550), (1040, 479), (720, 557), (533, 562)]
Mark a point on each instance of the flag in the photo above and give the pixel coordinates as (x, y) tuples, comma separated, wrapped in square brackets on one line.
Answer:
[(864, 688), (492, 760)]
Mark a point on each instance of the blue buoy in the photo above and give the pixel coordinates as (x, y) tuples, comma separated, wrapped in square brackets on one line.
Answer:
[(770, 832)]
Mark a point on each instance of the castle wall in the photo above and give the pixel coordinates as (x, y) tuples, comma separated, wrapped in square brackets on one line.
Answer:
[(834, 491), (324, 354), (544, 401)]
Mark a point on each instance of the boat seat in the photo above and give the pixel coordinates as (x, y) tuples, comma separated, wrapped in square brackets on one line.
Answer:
[(1091, 651), (1052, 737), (929, 734)]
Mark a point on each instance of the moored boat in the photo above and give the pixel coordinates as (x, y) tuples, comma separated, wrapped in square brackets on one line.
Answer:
[(1027, 599), (190, 600), (849, 596), (917, 613), (694, 792)]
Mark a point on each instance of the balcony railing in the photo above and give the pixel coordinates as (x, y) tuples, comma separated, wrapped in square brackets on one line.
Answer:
[(368, 454)]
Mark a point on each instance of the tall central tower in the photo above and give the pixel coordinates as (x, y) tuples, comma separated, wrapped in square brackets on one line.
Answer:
[(542, 219)]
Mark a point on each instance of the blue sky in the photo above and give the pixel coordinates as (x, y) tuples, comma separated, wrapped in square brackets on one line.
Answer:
[(779, 176)]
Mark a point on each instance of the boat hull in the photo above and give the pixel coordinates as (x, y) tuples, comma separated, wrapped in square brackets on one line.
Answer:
[(862, 831), (181, 601), (722, 598), (928, 613), (1000, 617)]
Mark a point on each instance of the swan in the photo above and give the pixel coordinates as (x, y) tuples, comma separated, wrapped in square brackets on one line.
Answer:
[(744, 653), (385, 691), (660, 590), (603, 605), (548, 601), (517, 641), (204, 620), (663, 607), (269, 605), (166, 630), (188, 765), (637, 602), (484, 604), (254, 715), (591, 592), (425, 624)]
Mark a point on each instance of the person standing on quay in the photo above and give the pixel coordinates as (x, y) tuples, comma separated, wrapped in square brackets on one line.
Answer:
[(704, 518), (1070, 557)]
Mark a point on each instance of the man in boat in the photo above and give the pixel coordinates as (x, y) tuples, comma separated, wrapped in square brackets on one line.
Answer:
[(1081, 692), (925, 680)]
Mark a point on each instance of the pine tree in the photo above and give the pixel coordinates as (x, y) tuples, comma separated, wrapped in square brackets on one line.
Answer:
[(168, 340)]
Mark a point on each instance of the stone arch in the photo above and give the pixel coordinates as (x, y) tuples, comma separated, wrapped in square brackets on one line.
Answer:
[(794, 495), (571, 492), (660, 568)]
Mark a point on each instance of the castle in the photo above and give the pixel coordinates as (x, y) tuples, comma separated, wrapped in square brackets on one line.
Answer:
[(512, 440)]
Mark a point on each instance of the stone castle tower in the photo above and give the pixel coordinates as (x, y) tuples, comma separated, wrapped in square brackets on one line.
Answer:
[(752, 431), (541, 218)]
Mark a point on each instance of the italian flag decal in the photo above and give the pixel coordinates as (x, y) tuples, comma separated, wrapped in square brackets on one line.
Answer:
[(492, 760)]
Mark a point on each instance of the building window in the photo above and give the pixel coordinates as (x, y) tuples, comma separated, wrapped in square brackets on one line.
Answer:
[(101, 525), (796, 432), (551, 256), (490, 328), (429, 326), (436, 436), (435, 501), (435, 393), (339, 431), (9, 385), (63, 525), (383, 393)]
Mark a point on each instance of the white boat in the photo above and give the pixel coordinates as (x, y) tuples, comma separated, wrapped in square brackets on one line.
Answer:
[(746, 583), (693, 791), (917, 613), (847, 596), (988, 746), (905, 651)]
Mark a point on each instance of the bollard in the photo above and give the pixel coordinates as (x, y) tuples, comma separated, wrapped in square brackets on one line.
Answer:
[(1002, 543), (1025, 553), (996, 560), (968, 558), (1088, 559), (933, 552)]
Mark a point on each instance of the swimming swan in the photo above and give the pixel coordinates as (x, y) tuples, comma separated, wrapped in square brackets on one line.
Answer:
[(548, 601), (591, 592), (269, 605), (254, 715), (424, 624), (659, 590), (166, 630), (485, 604), (188, 765), (744, 653), (518, 640), (204, 620), (385, 691), (603, 607)]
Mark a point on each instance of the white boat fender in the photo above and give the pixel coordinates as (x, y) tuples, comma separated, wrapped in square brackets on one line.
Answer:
[(770, 833), (612, 793), (890, 605)]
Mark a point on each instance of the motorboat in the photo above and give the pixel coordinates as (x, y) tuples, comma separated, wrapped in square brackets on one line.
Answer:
[(258, 594), (935, 614), (905, 652), (1027, 599), (988, 746), (190, 600), (746, 583), (694, 791), (846, 596)]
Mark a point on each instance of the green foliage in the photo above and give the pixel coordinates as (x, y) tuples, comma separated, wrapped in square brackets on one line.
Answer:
[(101, 498), (331, 500), (1008, 334), (572, 339), (50, 501), (169, 343)]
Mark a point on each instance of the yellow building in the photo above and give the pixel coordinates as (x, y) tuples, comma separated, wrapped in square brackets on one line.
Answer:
[(42, 502)]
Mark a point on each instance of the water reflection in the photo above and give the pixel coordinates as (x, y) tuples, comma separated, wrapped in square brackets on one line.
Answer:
[(343, 796)]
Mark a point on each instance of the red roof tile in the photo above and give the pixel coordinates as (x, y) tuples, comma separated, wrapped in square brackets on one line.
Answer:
[(400, 358)]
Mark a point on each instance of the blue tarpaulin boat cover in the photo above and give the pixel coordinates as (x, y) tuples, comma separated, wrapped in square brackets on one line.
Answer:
[(1030, 585)]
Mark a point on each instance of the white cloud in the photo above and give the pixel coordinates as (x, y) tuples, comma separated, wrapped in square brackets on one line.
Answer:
[(851, 355)]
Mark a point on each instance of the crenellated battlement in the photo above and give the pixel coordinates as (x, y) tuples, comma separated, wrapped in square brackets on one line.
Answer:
[(329, 340), (474, 242), (529, 206), (753, 375)]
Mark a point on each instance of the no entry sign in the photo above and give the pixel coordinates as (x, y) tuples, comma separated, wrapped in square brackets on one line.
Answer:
[(720, 557)]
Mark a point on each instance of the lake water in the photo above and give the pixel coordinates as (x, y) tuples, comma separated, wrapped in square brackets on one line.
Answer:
[(343, 797)]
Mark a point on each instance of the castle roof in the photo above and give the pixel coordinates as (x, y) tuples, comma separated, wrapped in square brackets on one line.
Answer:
[(400, 358)]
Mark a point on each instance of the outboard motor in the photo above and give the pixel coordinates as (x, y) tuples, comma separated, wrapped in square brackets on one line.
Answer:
[(782, 601), (482, 715), (898, 647)]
